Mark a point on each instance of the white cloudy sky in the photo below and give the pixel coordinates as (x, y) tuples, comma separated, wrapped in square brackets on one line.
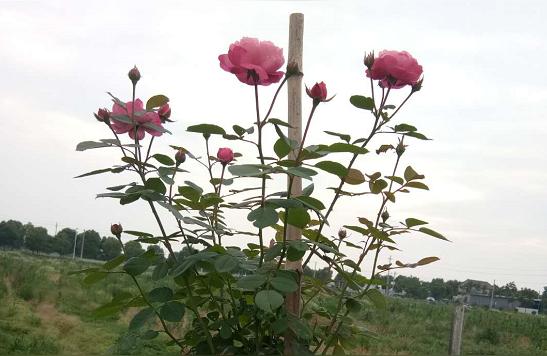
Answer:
[(484, 102)]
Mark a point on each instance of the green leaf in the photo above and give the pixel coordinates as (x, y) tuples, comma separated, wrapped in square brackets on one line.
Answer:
[(396, 179), (115, 262), (160, 271), (362, 102), (404, 127), (345, 147), (342, 136), (299, 328), (280, 326), (333, 168), (427, 260), (207, 129), (297, 249), (150, 334), (410, 222), (87, 145), (140, 318), (417, 135), (251, 282), (284, 285), (433, 233), (160, 294), (353, 305), (301, 172), (311, 202), (377, 298), (281, 148), (226, 263), (411, 174), (268, 300), (190, 193), (98, 171), (279, 122), (263, 217), (273, 252), (308, 190), (238, 130), (172, 311), (94, 277), (354, 177), (246, 170), (156, 101), (359, 229), (136, 265), (377, 186), (163, 159), (298, 217), (156, 185), (417, 185)]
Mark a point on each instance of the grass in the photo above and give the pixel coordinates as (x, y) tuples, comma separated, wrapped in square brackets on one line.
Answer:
[(43, 310)]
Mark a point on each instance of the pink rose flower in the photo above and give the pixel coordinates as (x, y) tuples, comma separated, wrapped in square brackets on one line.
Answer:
[(225, 155), (318, 92), (141, 117), (253, 61), (395, 69)]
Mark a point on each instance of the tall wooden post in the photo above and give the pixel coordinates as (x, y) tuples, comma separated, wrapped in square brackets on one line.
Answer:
[(455, 346), (294, 89)]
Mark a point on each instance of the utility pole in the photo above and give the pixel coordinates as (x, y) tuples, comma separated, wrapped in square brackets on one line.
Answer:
[(492, 296), (82, 249), (55, 229), (74, 247), (387, 278)]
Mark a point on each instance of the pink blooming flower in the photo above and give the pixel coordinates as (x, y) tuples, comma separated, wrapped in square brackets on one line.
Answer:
[(141, 117), (318, 92), (395, 69), (253, 62), (225, 155)]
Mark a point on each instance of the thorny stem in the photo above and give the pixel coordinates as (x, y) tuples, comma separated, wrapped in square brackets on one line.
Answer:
[(366, 249), (263, 185)]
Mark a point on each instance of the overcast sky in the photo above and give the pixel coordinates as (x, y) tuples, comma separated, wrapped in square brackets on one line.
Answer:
[(484, 103)]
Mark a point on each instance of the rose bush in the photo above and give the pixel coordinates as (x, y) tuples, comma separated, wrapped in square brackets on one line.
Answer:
[(232, 296)]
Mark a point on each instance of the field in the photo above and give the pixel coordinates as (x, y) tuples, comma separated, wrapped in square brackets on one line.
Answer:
[(43, 310)]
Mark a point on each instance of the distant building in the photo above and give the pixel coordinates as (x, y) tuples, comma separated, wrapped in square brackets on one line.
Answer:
[(479, 293)]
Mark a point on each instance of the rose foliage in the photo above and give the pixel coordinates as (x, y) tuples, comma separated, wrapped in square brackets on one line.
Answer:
[(214, 297)]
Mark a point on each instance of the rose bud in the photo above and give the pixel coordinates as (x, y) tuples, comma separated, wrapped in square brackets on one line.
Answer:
[(385, 216), (369, 59), (342, 233), (164, 112), (225, 155), (102, 115), (116, 230), (272, 243), (134, 75), (180, 156), (418, 86)]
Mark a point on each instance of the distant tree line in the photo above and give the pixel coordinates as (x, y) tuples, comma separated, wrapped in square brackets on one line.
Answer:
[(16, 235)]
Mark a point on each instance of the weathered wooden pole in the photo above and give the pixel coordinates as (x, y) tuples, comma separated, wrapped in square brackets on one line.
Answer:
[(294, 90), (455, 346)]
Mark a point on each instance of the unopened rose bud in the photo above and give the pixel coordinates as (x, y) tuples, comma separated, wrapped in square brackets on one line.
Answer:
[(418, 86), (225, 155), (385, 216), (272, 243), (400, 149), (116, 230), (164, 112), (103, 115), (180, 156), (318, 92), (134, 75), (369, 59), (342, 233)]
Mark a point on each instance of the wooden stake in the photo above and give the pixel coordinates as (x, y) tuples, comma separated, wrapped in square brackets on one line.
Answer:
[(455, 346), (294, 89)]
